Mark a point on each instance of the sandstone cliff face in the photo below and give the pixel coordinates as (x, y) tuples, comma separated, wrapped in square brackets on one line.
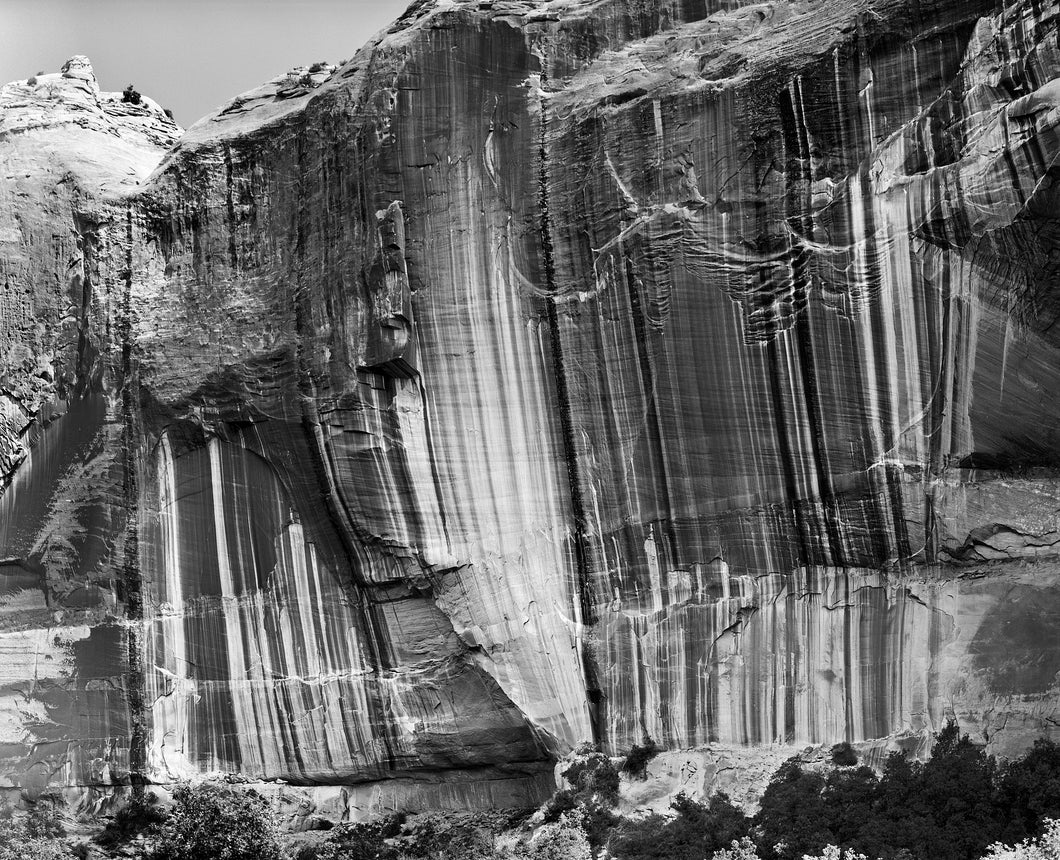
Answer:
[(70, 687), (548, 372)]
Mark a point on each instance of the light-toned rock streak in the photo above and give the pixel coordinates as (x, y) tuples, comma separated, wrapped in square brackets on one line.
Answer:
[(549, 372)]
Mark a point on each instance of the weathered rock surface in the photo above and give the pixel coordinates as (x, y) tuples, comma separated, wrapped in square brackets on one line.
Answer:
[(70, 687), (551, 371)]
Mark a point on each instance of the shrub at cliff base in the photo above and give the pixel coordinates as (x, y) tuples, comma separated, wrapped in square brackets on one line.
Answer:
[(141, 815), (36, 837), (1045, 847), (794, 819), (694, 832), (562, 840), (745, 849), (594, 782), (959, 805), (213, 822), (742, 849), (471, 835), (15, 844), (456, 837), (371, 840), (1029, 791), (593, 776), (949, 808)]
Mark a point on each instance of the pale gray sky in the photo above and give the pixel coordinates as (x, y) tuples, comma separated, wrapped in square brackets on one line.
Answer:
[(188, 55)]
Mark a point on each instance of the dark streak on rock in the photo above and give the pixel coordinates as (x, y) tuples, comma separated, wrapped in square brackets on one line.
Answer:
[(132, 584), (582, 568)]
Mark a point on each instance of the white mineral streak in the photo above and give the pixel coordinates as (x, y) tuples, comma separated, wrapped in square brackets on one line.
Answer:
[(271, 652)]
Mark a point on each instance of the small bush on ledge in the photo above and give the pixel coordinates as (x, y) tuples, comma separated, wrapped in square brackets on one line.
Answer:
[(843, 755), (130, 96), (636, 764)]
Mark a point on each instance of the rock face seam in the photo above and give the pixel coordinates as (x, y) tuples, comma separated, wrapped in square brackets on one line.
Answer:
[(585, 600)]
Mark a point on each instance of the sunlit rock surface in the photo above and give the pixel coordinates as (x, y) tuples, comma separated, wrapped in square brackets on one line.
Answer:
[(71, 679), (548, 372)]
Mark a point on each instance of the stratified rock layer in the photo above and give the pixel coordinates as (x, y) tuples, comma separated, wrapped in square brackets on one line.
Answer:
[(548, 372)]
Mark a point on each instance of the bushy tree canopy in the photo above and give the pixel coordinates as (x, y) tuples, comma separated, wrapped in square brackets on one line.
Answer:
[(216, 822), (696, 831), (949, 808)]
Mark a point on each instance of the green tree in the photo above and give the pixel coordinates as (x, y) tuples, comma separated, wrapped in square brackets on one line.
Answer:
[(696, 831), (958, 793), (593, 776), (900, 821), (1045, 847), (593, 794), (793, 819), (1029, 791), (850, 796), (744, 849), (214, 822)]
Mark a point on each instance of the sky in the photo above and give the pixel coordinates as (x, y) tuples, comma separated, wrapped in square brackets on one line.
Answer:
[(190, 56)]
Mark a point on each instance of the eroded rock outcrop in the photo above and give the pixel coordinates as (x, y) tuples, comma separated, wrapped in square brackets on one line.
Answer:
[(547, 372), (70, 238)]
